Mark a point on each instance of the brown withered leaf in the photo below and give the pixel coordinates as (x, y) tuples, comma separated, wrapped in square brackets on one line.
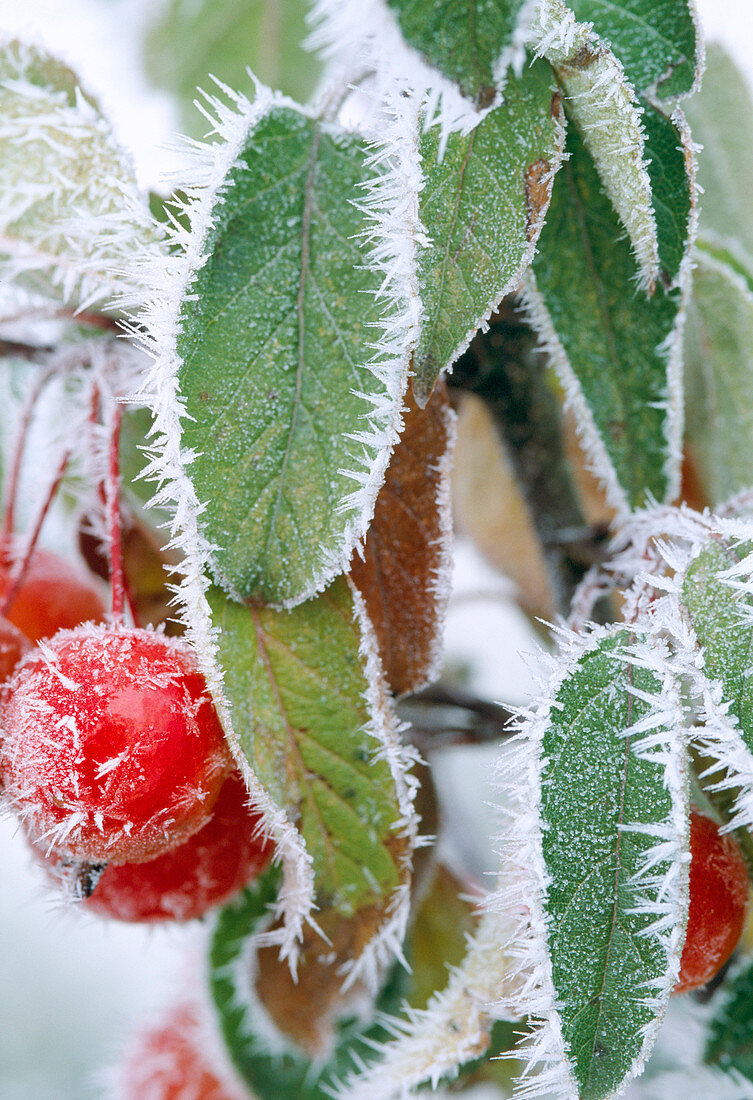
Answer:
[(491, 510), (403, 575), (306, 1008)]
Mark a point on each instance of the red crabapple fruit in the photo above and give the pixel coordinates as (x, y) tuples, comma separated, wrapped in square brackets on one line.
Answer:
[(113, 750), (169, 1062), (719, 891), (52, 596), (185, 882)]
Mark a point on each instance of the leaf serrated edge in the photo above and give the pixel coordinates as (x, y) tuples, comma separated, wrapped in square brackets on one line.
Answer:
[(535, 229), (386, 730), (168, 463), (391, 203), (717, 733), (370, 31), (670, 349), (524, 880), (700, 61)]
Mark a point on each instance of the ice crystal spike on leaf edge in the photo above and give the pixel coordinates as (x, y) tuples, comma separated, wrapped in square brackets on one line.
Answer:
[(524, 879), (370, 32), (609, 121), (159, 318)]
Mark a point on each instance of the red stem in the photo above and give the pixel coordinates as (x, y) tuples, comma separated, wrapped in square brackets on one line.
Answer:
[(115, 530)]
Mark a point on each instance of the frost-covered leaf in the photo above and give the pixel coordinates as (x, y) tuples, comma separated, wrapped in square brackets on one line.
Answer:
[(720, 617), (403, 572), (730, 1034), (457, 1026), (483, 204), (613, 888), (616, 350), (71, 215), (719, 397), (721, 118), (288, 1072), (311, 717), (602, 104), (188, 41), (657, 41), (671, 170), (470, 44), (291, 413)]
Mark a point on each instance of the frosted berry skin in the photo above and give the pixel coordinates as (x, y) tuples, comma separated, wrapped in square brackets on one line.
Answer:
[(52, 596), (719, 891), (186, 882), (113, 750), (169, 1061)]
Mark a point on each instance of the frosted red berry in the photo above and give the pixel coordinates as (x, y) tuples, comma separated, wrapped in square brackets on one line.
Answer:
[(719, 890), (170, 1061), (52, 596), (112, 750), (184, 883)]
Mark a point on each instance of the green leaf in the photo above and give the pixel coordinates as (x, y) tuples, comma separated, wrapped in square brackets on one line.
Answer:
[(721, 118), (297, 689), (668, 160), (605, 805), (289, 1073), (71, 215), (276, 329), (483, 204), (719, 616), (188, 41), (610, 124), (656, 41), (730, 1034), (619, 344), (470, 44), (719, 402)]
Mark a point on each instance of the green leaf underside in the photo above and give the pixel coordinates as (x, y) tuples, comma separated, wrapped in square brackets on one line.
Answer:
[(592, 785), (285, 1075), (730, 1035), (717, 613), (654, 39), (463, 41), (610, 332), (482, 209), (296, 685), (188, 41), (59, 165), (721, 118), (670, 187), (719, 398), (275, 329)]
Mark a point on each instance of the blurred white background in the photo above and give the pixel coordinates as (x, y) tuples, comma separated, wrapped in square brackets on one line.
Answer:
[(70, 985)]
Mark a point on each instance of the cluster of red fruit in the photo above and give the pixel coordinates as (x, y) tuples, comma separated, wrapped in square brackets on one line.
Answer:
[(113, 757)]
